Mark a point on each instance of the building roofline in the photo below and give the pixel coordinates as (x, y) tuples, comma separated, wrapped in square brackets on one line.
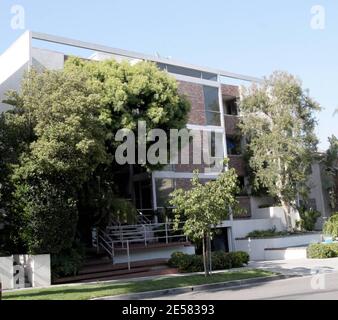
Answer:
[(135, 55)]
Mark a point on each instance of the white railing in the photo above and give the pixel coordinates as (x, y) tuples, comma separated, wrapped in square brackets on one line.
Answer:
[(126, 238)]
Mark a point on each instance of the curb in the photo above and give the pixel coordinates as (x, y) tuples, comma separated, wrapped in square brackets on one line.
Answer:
[(201, 288)]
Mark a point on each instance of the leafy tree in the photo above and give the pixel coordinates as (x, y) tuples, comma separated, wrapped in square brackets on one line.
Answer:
[(57, 170), (205, 206), (278, 121), (330, 162)]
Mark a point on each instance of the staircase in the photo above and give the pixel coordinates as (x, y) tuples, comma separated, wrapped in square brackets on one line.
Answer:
[(141, 242), (100, 268)]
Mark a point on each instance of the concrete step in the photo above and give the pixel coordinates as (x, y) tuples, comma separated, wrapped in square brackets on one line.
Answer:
[(290, 253), (103, 272)]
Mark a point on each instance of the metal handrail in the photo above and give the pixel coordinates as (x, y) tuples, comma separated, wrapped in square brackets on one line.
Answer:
[(120, 238)]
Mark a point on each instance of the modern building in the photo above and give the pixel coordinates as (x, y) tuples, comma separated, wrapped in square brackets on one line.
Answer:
[(213, 95)]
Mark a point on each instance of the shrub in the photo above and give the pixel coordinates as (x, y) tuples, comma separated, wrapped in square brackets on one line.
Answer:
[(331, 226), (309, 218), (323, 251), (68, 262), (220, 261), (266, 234), (238, 259), (176, 257)]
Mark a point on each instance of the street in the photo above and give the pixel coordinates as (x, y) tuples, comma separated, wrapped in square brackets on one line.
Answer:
[(318, 287)]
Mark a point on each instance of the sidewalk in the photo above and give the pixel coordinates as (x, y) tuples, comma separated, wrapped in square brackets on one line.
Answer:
[(303, 267)]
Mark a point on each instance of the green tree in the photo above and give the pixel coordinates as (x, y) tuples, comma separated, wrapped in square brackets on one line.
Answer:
[(57, 170), (278, 121), (204, 207), (330, 163)]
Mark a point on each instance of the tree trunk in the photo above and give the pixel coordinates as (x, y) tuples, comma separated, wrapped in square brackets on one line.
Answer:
[(287, 213), (205, 256)]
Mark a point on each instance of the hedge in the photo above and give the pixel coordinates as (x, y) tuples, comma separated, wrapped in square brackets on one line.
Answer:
[(323, 251), (220, 261)]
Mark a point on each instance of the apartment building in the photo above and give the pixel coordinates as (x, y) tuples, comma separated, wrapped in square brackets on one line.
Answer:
[(213, 95)]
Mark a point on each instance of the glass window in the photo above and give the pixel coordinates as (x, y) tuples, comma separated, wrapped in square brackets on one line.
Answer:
[(184, 71), (209, 76), (212, 108), (187, 72)]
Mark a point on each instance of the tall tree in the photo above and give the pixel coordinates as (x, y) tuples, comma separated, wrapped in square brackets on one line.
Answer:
[(204, 207), (277, 118), (330, 162), (59, 145)]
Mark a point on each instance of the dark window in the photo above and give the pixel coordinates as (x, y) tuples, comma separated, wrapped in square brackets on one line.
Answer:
[(234, 146), (230, 106), (212, 108)]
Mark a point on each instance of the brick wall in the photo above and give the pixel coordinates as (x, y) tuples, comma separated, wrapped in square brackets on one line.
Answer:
[(238, 163), (228, 90), (194, 93)]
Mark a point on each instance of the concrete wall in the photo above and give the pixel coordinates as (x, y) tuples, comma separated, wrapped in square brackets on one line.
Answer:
[(6, 273), (241, 228), (43, 59), (41, 270), (14, 62), (256, 247), (37, 271), (156, 253)]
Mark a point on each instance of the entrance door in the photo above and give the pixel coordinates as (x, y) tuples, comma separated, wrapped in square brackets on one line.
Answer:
[(221, 240)]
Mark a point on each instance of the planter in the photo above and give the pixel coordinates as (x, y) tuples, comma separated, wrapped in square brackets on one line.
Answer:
[(256, 248)]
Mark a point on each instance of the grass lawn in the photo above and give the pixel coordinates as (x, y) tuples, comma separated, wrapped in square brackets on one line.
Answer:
[(90, 291)]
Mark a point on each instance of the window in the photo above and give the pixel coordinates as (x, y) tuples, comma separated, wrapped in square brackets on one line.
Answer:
[(184, 71), (234, 146), (230, 106), (187, 72), (212, 108), (209, 76)]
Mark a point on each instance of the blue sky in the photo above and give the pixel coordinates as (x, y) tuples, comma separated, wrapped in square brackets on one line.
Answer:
[(242, 36)]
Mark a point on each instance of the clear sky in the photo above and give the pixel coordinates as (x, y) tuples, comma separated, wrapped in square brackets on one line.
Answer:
[(242, 36)]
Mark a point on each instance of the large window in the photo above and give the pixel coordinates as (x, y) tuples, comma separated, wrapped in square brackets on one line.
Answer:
[(212, 108), (230, 106), (188, 72)]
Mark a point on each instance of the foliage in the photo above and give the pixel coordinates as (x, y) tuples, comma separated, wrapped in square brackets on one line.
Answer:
[(330, 171), (309, 218), (272, 233), (278, 121), (68, 262), (331, 226), (220, 261), (323, 251), (57, 170), (205, 206)]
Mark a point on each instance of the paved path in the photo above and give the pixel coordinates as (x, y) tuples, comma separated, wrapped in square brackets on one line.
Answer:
[(301, 267), (320, 287)]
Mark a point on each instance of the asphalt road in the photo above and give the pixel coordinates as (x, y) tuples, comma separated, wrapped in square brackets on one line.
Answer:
[(319, 287)]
